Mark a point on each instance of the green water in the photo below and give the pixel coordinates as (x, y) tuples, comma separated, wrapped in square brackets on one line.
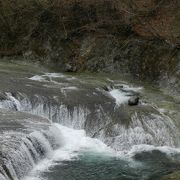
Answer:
[(145, 166)]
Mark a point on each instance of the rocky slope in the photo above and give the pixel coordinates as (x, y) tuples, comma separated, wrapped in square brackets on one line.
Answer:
[(137, 38)]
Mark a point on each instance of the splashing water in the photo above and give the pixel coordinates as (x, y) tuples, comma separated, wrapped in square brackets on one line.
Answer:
[(119, 96), (143, 134), (74, 142)]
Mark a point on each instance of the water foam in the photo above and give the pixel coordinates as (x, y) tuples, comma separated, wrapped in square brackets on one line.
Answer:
[(47, 77), (132, 88), (38, 78), (119, 96), (74, 143), (60, 113), (21, 151), (169, 151), (122, 94)]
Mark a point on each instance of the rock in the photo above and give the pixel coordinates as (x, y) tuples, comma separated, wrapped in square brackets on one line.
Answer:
[(133, 101), (105, 88), (2, 97), (108, 88), (173, 176), (70, 68)]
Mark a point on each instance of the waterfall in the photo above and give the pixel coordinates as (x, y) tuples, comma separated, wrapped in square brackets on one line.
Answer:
[(153, 128), (56, 112), (74, 142), (157, 130), (145, 129), (20, 151)]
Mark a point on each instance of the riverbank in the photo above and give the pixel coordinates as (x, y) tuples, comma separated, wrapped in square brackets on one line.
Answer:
[(137, 38)]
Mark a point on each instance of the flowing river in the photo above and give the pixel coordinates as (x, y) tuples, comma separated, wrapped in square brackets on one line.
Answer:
[(56, 126)]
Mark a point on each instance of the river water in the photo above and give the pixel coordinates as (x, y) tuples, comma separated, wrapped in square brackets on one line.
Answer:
[(79, 126)]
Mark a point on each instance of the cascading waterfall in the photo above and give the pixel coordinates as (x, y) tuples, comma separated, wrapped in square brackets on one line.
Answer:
[(61, 143), (74, 141), (20, 151), (74, 118), (157, 130), (154, 129)]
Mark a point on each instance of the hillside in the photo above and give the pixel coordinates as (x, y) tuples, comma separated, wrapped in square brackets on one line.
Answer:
[(140, 38)]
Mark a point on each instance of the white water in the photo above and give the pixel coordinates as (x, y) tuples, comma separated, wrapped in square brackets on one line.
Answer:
[(123, 95), (132, 88), (38, 78), (74, 142), (10, 103), (58, 113), (119, 96), (169, 151), (23, 151), (48, 77)]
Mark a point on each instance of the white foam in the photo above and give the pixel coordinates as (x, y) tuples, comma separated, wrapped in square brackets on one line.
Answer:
[(70, 88), (34, 178), (54, 75), (10, 103), (74, 142), (120, 97), (110, 80), (14, 100), (49, 78), (42, 78), (38, 78), (148, 148), (131, 88), (71, 78)]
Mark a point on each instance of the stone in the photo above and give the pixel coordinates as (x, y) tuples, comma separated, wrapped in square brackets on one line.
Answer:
[(108, 88), (70, 68), (173, 176), (133, 101), (2, 97), (105, 88)]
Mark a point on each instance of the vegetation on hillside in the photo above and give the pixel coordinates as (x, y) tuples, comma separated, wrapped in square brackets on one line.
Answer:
[(137, 37), (24, 21)]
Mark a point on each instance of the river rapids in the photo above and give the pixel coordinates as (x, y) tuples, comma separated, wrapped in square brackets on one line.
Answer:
[(57, 126)]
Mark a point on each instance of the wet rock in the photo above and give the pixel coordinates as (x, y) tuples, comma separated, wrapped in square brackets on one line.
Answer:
[(133, 101), (2, 97), (108, 88), (70, 68)]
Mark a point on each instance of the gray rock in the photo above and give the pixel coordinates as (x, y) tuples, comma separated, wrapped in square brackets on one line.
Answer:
[(108, 88), (2, 96), (70, 68), (133, 101)]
